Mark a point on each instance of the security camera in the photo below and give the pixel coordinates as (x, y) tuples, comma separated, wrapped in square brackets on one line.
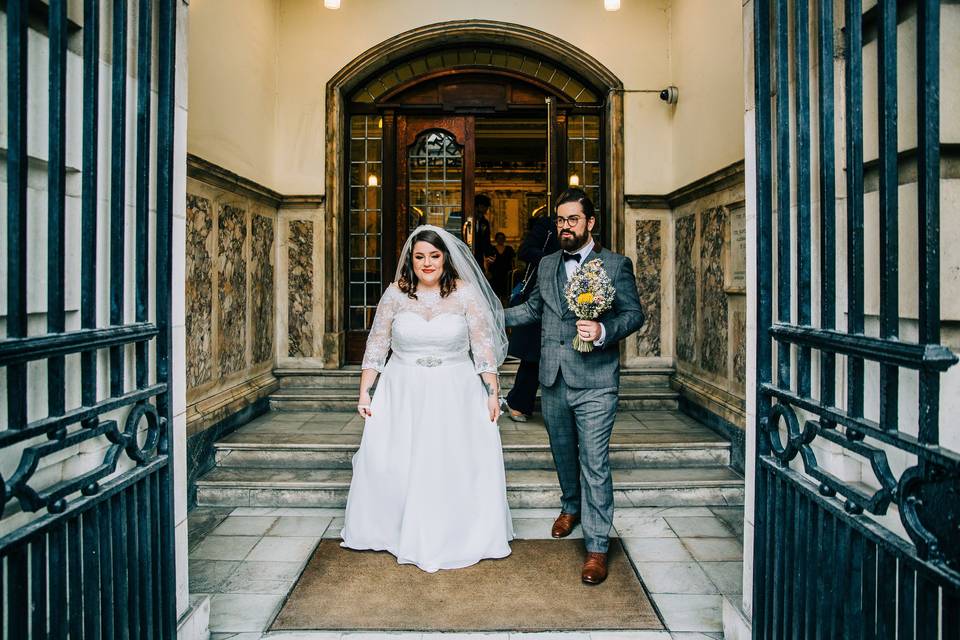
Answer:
[(670, 95)]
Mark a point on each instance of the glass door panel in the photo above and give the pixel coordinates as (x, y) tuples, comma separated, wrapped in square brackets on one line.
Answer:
[(583, 160), (364, 228)]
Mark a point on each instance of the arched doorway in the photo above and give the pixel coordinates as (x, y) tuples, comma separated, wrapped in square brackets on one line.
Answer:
[(421, 124)]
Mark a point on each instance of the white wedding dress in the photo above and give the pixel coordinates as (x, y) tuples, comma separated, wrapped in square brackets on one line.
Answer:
[(428, 480)]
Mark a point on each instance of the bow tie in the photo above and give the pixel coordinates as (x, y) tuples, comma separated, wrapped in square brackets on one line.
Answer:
[(571, 256)]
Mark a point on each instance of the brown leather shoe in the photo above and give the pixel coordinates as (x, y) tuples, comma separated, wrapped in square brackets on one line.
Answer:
[(594, 568), (564, 524)]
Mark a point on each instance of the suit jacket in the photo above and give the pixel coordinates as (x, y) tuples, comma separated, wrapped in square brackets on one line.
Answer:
[(597, 369)]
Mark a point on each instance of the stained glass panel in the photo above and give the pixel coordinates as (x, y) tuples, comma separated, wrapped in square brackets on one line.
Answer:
[(435, 190)]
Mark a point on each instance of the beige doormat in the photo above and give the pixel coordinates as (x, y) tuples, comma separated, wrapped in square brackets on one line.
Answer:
[(537, 588)]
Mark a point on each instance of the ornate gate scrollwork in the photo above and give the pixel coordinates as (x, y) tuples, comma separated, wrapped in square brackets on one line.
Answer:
[(926, 495), (929, 500), (55, 497)]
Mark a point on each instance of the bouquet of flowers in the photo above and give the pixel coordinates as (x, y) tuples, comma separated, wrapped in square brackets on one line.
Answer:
[(589, 295)]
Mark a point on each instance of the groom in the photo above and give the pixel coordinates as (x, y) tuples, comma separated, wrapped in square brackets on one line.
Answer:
[(580, 389)]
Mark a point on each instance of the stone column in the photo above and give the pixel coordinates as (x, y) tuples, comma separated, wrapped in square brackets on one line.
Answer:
[(193, 614), (737, 615)]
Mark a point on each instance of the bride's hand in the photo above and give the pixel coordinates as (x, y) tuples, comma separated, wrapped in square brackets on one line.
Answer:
[(493, 406), (492, 387), (363, 406)]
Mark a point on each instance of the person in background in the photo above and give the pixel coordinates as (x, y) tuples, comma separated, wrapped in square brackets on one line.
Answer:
[(482, 246), (501, 267), (541, 240)]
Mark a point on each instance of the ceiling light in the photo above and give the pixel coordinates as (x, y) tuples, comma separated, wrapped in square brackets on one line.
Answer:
[(335, 4), (611, 5), (574, 180)]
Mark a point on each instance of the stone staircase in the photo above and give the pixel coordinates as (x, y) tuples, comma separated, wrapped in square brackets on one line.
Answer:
[(300, 453)]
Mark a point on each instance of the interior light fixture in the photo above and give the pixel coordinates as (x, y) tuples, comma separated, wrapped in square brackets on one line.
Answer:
[(372, 180), (335, 4), (611, 5), (574, 180)]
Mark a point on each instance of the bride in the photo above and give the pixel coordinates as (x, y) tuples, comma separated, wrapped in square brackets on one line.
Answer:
[(428, 481)]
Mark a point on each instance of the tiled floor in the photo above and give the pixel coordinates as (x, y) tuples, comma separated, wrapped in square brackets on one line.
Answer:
[(248, 559)]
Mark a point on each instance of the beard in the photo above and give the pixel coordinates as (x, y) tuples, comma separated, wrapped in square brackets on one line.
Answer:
[(571, 241)]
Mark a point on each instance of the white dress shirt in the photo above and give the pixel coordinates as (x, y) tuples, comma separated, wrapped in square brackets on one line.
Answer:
[(570, 266)]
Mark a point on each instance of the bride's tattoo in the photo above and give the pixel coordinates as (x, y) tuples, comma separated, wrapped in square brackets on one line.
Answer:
[(491, 391)]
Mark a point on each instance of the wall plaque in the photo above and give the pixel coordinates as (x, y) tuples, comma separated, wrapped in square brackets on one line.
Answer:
[(735, 270)]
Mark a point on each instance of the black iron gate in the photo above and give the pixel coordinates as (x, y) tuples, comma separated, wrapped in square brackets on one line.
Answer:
[(827, 564), (87, 531)]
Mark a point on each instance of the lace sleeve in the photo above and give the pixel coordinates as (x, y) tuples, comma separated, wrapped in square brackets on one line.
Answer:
[(481, 331), (378, 342)]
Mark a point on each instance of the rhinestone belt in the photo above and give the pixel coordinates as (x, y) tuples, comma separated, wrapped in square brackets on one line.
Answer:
[(429, 361)]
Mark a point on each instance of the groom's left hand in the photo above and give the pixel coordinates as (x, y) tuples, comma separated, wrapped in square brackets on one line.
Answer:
[(589, 330)]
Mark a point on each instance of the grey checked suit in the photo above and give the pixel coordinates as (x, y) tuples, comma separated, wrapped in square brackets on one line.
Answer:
[(580, 390)]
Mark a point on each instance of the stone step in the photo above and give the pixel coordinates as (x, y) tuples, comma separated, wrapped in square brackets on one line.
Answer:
[(336, 452), (349, 377), (331, 399), (532, 488)]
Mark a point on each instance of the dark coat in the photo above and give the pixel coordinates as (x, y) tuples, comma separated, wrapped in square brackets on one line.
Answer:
[(483, 247), (541, 240)]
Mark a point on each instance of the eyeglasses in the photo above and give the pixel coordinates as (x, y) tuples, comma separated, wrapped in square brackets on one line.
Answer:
[(571, 222)]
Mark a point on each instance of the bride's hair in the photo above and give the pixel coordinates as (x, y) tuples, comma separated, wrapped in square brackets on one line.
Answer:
[(408, 278)]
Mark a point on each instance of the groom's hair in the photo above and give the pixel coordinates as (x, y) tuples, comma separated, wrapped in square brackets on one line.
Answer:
[(408, 278), (573, 194)]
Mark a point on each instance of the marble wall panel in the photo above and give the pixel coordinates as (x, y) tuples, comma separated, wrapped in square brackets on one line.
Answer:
[(713, 305), (649, 262), (686, 293), (199, 291), (261, 287), (300, 289), (232, 269), (710, 310)]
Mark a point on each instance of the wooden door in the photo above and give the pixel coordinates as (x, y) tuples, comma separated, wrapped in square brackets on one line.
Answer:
[(435, 165), (428, 179)]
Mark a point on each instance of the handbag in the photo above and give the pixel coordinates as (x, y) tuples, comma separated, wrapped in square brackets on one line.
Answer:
[(516, 294), (519, 292)]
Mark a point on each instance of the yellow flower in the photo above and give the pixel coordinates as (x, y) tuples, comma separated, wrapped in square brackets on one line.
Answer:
[(585, 298)]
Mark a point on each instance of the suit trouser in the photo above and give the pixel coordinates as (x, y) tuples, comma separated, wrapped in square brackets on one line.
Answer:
[(579, 423), (524, 391)]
